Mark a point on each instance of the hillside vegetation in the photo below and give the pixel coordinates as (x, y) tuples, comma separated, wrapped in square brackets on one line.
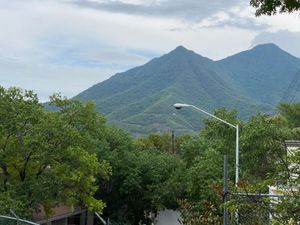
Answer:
[(72, 156), (140, 100)]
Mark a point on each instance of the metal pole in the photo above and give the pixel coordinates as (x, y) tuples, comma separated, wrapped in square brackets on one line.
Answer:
[(211, 115), (15, 215), (179, 105), (21, 220), (225, 190), (100, 218), (237, 168), (173, 142), (260, 195), (237, 156)]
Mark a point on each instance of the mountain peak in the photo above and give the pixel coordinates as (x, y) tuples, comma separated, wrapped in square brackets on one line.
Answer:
[(140, 100), (263, 52), (267, 46), (270, 50), (181, 49)]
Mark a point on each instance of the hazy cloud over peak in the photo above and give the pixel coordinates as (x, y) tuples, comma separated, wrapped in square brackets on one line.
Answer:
[(191, 10), (289, 41)]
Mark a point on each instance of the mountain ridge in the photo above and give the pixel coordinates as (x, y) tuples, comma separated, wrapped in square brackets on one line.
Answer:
[(140, 100), (264, 72)]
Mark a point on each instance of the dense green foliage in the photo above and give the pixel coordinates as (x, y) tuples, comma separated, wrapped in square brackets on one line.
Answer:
[(146, 182), (71, 156), (271, 7), (271, 165), (291, 112), (263, 162), (48, 158), (141, 99), (262, 140)]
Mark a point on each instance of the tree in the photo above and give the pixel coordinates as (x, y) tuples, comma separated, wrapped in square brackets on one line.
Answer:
[(271, 165), (204, 175), (271, 210), (271, 7), (191, 149), (204, 157), (143, 180), (262, 141), (290, 112), (198, 213), (219, 135), (162, 142), (287, 180), (156, 142), (47, 158)]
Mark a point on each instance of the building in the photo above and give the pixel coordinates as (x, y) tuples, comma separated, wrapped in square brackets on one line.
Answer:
[(292, 147), (64, 215)]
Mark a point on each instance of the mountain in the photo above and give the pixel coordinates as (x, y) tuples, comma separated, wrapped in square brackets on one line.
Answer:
[(266, 73), (140, 100)]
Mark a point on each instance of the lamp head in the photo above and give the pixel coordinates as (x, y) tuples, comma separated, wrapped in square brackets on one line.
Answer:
[(180, 105)]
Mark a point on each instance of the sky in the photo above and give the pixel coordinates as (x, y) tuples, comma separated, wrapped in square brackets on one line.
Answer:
[(66, 46)]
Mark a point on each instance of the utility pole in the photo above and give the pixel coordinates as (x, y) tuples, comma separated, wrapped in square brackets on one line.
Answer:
[(173, 142), (225, 190)]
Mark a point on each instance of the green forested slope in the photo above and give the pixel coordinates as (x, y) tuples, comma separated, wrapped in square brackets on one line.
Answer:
[(140, 100), (264, 72)]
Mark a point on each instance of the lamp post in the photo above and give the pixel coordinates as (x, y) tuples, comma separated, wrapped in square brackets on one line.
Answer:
[(183, 105), (225, 190)]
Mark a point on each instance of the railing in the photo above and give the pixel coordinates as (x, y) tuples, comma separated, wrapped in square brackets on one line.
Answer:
[(101, 219), (9, 220)]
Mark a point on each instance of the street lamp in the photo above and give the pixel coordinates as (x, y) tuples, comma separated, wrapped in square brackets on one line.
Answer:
[(183, 105)]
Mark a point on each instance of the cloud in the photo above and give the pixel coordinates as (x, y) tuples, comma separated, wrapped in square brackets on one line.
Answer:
[(287, 40), (191, 10), (199, 13), (56, 32), (68, 45), (46, 79), (233, 18), (57, 48)]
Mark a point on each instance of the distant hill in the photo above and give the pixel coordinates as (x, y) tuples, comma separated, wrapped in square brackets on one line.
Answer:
[(265, 73), (140, 100)]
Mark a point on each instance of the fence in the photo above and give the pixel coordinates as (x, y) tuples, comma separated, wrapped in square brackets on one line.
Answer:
[(259, 209), (15, 220), (8, 220), (249, 209)]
